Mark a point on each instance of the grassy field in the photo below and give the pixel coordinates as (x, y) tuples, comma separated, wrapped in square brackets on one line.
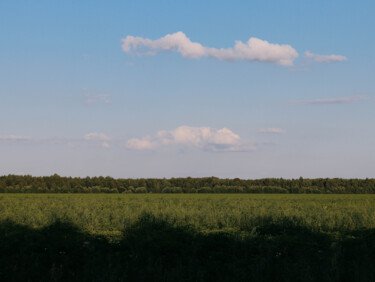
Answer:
[(189, 237), (110, 214)]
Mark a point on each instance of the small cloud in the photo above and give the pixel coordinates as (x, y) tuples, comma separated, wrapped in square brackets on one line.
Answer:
[(340, 100), (254, 49), (95, 136), (325, 58), (205, 138), (86, 57), (103, 98), (144, 143), (98, 138), (272, 130), (106, 145)]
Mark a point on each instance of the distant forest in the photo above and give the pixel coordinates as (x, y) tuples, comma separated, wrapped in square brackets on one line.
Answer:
[(58, 184)]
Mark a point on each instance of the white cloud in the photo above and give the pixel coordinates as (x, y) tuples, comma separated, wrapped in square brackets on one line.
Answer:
[(340, 100), (272, 130), (95, 136), (204, 138), (253, 50), (325, 58), (144, 143)]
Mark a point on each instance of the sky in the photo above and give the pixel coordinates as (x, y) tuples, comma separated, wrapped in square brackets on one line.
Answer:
[(131, 89)]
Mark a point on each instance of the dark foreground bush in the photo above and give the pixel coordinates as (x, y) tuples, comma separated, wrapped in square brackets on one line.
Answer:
[(155, 250)]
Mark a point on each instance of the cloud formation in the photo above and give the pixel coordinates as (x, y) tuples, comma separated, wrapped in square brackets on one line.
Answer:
[(145, 143), (253, 50), (325, 58), (95, 136), (205, 138), (272, 130), (340, 100)]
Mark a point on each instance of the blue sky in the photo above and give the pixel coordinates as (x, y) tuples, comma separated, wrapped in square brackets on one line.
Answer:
[(161, 89)]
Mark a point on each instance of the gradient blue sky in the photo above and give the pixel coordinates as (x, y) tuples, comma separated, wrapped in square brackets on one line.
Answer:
[(73, 102)]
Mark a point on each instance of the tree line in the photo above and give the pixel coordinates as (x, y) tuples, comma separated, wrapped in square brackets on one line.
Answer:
[(59, 184)]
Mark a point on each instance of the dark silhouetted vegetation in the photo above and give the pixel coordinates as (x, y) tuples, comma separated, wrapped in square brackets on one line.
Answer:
[(153, 249)]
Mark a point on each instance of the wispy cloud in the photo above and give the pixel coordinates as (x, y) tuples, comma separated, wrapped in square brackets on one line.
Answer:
[(37, 140), (205, 138), (253, 50), (325, 58), (98, 137), (272, 130), (106, 145), (94, 99), (339, 100), (95, 136), (15, 138)]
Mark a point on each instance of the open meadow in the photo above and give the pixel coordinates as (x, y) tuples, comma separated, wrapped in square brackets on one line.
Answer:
[(199, 237), (110, 214)]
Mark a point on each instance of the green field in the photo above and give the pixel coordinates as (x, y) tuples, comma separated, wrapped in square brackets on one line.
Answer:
[(162, 237), (110, 214)]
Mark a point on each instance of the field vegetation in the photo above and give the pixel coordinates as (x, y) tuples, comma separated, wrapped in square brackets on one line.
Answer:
[(187, 237)]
